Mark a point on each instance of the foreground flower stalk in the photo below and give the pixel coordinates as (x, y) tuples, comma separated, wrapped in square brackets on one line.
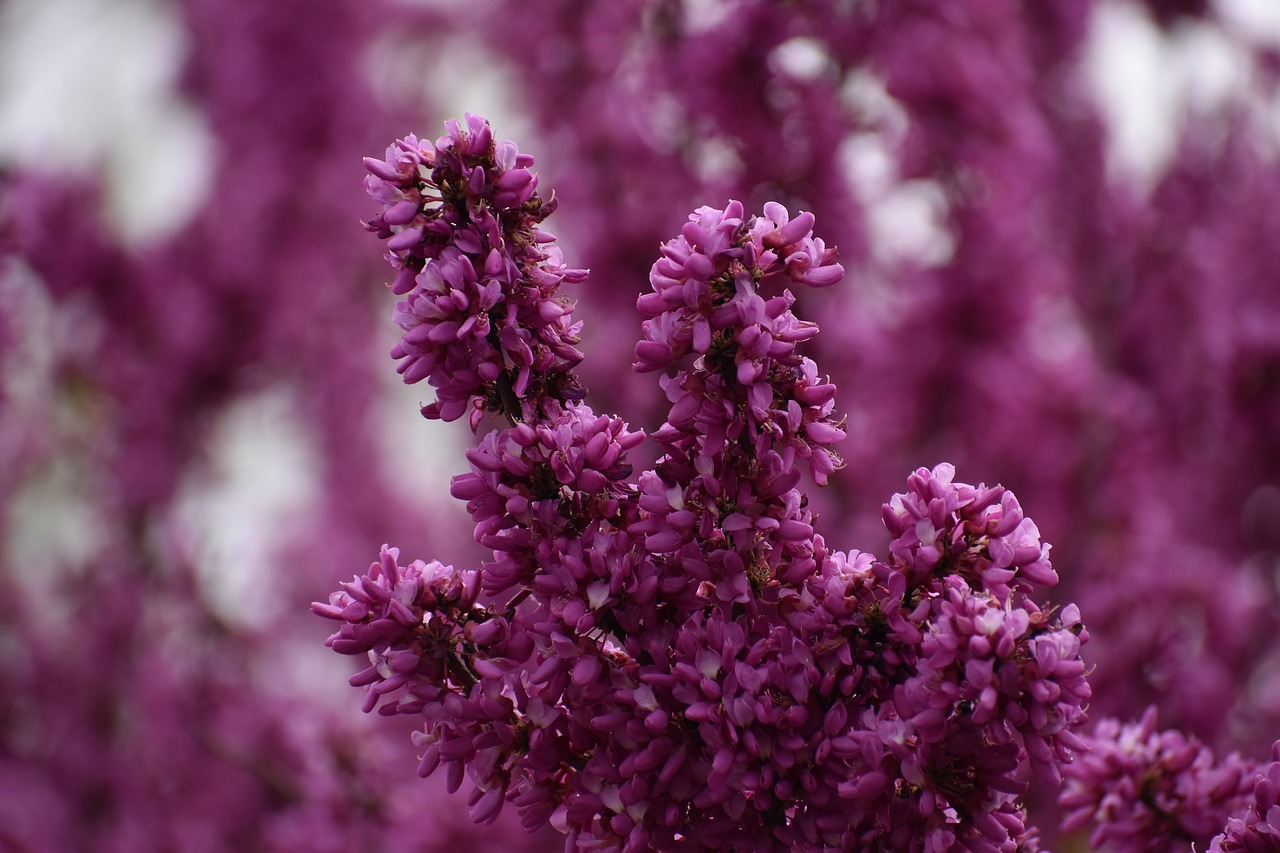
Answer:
[(675, 659)]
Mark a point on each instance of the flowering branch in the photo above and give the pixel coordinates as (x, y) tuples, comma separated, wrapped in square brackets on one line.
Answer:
[(481, 320), (677, 659), (1148, 790)]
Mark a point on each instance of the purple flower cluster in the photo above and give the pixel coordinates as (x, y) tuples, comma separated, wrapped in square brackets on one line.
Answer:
[(677, 660), (1018, 305), (481, 319), (418, 624), (1109, 350), (1258, 830), (747, 385), (981, 534), (535, 491), (1150, 790)]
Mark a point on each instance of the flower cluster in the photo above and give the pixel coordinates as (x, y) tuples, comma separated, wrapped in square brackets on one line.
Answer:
[(382, 614), (747, 385), (981, 534), (535, 489), (1147, 789), (420, 627), (1258, 830), (721, 507), (1022, 326), (999, 338), (481, 317), (1008, 671), (676, 660)]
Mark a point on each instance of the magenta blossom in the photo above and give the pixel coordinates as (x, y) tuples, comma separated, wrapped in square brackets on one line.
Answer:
[(676, 659), (480, 316)]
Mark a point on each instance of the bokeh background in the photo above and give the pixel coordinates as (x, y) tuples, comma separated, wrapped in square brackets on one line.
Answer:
[(1061, 225)]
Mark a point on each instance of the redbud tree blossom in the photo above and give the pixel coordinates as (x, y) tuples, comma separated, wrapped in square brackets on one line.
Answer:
[(1025, 296), (676, 658)]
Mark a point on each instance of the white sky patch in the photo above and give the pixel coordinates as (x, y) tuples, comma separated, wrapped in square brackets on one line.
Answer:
[(1145, 82), (52, 522), (869, 157), (703, 15), (1258, 19), (27, 312), (802, 58), (1125, 63), (909, 223), (868, 163), (457, 76), (1211, 69), (91, 84), (252, 495), (714, 160), (419, 457), (1056, 333), (906, 219), (865, 96), (298, 666)]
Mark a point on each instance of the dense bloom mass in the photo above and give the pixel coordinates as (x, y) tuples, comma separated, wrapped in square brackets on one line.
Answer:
[(677, 659), (1153, 790), (1101, 332), (481, 319), (1258, 829)]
